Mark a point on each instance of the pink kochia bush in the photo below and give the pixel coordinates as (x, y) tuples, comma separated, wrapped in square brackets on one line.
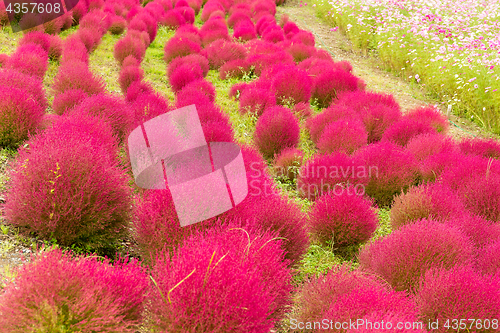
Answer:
[(344, 294), (82, 294), (331, 82), (68, 186), (344, 136), (460, 292), (67, 100), (433, 201), (179, 46), (129, 46), (226, 279), (288, 162), (481, 147), (76, 75), (326, 173), (406, 254), (431, 116), (405, 129), (292, 86), (396, 170), (19, 116), (30, 59), (276, 130), (256, 100), (342, 219)]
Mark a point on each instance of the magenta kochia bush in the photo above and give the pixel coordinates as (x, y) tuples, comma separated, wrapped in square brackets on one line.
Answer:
[(111, 109), (425, 145), (331, 82), (68, 187), (407, 253), (344, 136), (342, 218), (292, 86), (129, 46), (184, 74), (426, 201), (30, 59), (68, 100), (326, 173), (77, 75), (19, 116), (31, 86), (36, 37), (288, 162), (277, 213), (460, 292), (180, 46), (81, 294), (276, 130), (222, 51), (256, 100), (344, 294), (243, 267), (406, 129), (482, 147), (395, 168), (235, 68), (431, 116)]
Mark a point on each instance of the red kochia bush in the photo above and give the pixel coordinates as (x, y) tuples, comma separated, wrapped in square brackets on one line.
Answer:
[(209, 8), (488, 261), (111, 109), (74, 49), (3, 59), (406, 254), (396, 170), (341, 283), (406, 129), (68, 100), (172, 19), (330, 83), (80, 293), (305, 37), (55, 48), (288, 162), (129, 46), (431, 116), (118, 25), (217, 131), (433, 201), (487, 148), (221, 51), (149, 105), (234, 69), (31, 86), (425, 145), (67, 187), (199, 86), (344, 136), (179, 46), (242, 266), (76, 75), (19, 116), (271, 211), (30, 59), (185, 74), (256, 100), (317, 124), (128, 75), (190, 59), (292, 85), (36, 37), (342, 218), (276, 130), (244, 31), (458, 292)]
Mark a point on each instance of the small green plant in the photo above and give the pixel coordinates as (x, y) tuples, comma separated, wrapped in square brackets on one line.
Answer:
[(5, 229)]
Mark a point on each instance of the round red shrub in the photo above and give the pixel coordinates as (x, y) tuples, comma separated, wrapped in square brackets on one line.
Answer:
[(317, 124), (301, 52), (209, 8), (172, 19), (237, 16), (344, 136), (292, 86), (90, 37), (67, 187), (432, 201), (244, 31), (457, 292), (128, 75), (302, 110), (330, 83), (138, 88), (30, 59), (403, 257), (305, 37), (217, 131), (19, 116), (185, 74), (55, 48), (431, 116), (76, 75), (394, 171), (67, 100), (234, 69), (31, 86), (129, 46), (190, 59), (487, 148), (222, 51), (342, 218), (236, 90), (256, 100), (276, 130), (118, 25), (245, 269), (101, 295), (36, 37), (149, 105), (199, 86), (425, 145), (383, 321), (406, 129), (288, 162), (111, 109), (180, 47), (74, 49)]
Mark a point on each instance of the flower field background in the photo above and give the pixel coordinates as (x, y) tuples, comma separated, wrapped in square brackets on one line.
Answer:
[(359, 208), (450, 48)]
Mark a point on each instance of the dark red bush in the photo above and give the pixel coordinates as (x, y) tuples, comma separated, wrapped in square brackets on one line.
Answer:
[(3, 59), (317, 124), (128, 75), (425, 145), (288, 162), (55, 48), (300, 52), (234, 69), (90, 37), (172, 19), (88, 294), (222, 51), (276, 130), (302, 110), (404, 256), (118, 25)]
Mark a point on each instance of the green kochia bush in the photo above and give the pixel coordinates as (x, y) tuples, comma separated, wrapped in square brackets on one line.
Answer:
[(57, 293), (68, 186)]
